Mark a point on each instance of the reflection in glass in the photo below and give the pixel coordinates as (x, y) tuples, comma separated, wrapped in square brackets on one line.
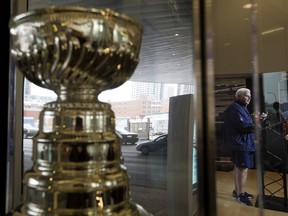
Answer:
[(167, 70)]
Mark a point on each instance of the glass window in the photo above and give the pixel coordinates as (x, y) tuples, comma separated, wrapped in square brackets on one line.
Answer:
[(250, 52), (141, 105)]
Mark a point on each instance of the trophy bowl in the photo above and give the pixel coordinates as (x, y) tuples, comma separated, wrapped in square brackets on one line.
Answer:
[(77, 52), (67, 47)]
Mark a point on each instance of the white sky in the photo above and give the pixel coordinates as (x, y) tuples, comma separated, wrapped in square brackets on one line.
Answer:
[(122, 93), (36, 90)]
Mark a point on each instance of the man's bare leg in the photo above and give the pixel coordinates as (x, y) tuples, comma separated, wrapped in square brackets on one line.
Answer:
[(240, 179)]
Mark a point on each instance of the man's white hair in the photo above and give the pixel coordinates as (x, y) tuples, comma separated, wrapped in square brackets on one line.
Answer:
[(241, 92)]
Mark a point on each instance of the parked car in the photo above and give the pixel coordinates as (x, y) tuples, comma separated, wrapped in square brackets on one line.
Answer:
[(127, 137), (29, 131), (156, 144)]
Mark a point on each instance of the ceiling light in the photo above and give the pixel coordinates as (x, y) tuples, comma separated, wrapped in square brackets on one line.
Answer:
[(272, 30), (247, 6)]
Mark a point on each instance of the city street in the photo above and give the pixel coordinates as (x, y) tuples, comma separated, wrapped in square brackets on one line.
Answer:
[(146, 171)]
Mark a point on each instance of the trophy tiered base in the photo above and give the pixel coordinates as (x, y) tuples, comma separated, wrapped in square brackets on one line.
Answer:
[(77, 169)]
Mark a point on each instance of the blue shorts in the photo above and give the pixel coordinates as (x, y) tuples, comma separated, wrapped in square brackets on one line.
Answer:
[(243, 159)]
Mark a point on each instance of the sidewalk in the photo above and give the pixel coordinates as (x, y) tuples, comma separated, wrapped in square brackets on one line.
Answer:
[(151, 199)]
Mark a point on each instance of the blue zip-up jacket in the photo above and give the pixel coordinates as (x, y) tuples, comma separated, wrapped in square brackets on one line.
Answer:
[(239, 126)]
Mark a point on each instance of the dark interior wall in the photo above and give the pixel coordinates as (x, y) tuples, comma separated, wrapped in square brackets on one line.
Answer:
[(249, 84), (4, 51)]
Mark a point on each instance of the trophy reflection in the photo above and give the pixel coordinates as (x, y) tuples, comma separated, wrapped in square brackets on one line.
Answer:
[(78, 53)]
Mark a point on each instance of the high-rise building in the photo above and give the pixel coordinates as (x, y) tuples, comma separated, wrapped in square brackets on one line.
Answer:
[(149, 90)]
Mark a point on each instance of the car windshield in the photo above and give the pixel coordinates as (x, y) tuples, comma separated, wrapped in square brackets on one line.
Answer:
[(28, 126), (161, 139), (124, 131)]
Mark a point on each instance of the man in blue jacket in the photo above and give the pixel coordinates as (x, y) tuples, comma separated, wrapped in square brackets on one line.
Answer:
[(239, 127)]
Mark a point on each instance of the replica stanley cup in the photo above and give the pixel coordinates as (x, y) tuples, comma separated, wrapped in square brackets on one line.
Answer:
[(78, 53)]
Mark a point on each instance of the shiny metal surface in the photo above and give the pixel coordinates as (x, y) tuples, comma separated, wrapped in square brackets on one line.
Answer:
[(59, 49), (76, 52)]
